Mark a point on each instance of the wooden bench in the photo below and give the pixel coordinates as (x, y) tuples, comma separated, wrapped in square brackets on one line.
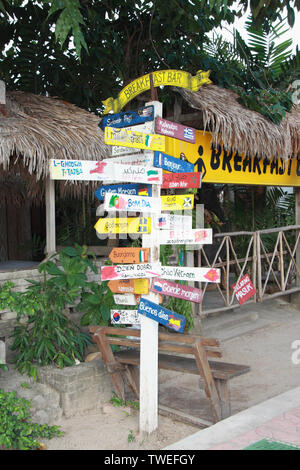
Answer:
[(173, 351)]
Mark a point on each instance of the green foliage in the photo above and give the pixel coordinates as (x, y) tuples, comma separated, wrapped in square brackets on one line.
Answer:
[(44, 334), (16, 428), (97, 301)]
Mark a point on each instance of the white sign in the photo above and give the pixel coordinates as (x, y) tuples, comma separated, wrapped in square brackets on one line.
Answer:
[(190, 274), (91, 170), (197, 236), (146, 127), (145, 159), (125, 299), (125, 317), (174, 222), (130, 271), (125, 202)]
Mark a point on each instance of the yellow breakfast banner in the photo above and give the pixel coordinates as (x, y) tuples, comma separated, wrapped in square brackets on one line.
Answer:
[(177, 78), (227, 167)]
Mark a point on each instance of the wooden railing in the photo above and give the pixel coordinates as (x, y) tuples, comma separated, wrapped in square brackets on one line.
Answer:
[(269, 257)]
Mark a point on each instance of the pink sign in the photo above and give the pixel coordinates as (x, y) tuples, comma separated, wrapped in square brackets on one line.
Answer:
[(172, 289), (181, 180), (173, 129), (244, 289)]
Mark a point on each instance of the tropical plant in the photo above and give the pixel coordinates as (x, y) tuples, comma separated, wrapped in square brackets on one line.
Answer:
[(17, 431), (44, 334)]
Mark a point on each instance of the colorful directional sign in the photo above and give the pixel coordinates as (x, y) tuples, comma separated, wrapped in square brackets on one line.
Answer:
[(125, 299), (123, 225), (125, 317), (130, 255), (197, 236), (174, 222), (177, 202), (175, 130), (244, 289), (147, 128), (181, 180), (175, 165), (161, 315), (128, 118), (123, 202), (181, 291), (129, 286), (90, 170), (134, 139), (130, 271), (130, 189), (190, 274)]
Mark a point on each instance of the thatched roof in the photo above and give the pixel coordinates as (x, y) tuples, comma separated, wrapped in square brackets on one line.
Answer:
[(34, 129), (241, 129)]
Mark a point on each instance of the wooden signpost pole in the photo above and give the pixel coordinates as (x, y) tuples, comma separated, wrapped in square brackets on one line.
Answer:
[(149, 335), (50, 216)]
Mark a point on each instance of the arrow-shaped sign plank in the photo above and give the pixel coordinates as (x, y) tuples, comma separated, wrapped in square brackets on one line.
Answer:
[(130, 271), (130, 255), (130, 286)]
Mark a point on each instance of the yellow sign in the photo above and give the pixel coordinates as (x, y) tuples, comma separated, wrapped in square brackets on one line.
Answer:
[(177, 78), (134, 139), (124, 225), (227, 167), (177, 202)]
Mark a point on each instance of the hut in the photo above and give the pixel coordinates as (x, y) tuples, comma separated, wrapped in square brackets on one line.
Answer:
[(34, 129)]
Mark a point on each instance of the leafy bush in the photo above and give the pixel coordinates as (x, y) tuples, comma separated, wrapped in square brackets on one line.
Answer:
[(16, 428)]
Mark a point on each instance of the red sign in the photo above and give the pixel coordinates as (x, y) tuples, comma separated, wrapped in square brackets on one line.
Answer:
[(244, 289), (181, 180), (175, 130)]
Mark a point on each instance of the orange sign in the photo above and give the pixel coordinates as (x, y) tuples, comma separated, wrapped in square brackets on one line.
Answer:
[(129, 286), (130, 255)]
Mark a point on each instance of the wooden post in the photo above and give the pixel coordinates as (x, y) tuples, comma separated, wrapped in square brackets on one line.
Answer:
[(149, 335), (50, 216)]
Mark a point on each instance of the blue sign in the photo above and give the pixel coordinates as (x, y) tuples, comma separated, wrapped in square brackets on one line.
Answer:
[(166, 162), (128, 118), (130, 189), (161, 315)]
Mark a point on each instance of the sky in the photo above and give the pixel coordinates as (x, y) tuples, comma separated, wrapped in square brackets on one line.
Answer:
[(293, 33)]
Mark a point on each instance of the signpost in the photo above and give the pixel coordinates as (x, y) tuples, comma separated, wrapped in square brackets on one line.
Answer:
[(130, 286), (134, 139), (131, 255), (181, 180), (123, 225), (161, 315), (177, 202), (175, 130), (129, 189), (90, 170), (166, 162), (123, 202), (190, 274), (130, 271), (128, 118), (125, 317), (181, 291)]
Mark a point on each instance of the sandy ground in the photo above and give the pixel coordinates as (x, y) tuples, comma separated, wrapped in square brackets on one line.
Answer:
[(267, 349)]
